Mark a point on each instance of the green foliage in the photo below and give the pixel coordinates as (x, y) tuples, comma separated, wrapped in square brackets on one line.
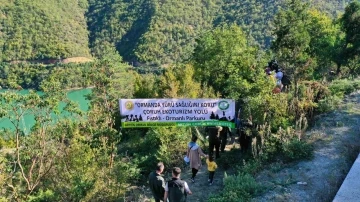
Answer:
[(36, 30), (241, 187), (252, 166), (342, 87), (224, 52), (293, 40), (329, 103), (7, 139), (227, 159), (350, 22), (157, 32), (43, 196), (30, 76), (256, 17), (297, 150)]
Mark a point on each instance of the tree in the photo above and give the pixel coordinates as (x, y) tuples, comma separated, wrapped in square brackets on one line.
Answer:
[(350, 23), (293, 40), (224, 61), (324, 39), (36, 149), (112, 81)]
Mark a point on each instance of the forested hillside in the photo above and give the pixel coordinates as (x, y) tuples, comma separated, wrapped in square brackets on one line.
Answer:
[(42, 29), (154, 32), (151, 31), (256, 16)]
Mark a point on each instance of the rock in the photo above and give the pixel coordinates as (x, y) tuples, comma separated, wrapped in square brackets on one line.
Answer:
[(302, 183)]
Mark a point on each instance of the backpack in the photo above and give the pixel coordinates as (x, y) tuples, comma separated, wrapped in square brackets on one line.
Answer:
[(177, 191)]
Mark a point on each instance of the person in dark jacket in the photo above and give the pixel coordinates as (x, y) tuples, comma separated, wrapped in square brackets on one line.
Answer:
[(214, 140), (223, 137), (157, 183), (176, 189)]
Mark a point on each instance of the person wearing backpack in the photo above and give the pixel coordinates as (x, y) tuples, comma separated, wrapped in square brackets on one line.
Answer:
[(176, 190)]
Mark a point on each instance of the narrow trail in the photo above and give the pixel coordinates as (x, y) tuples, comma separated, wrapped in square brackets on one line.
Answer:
[(200, 188)]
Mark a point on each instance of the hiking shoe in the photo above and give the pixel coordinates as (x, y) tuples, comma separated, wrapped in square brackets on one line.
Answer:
[(208, 180), (192, 180), (210, 183)]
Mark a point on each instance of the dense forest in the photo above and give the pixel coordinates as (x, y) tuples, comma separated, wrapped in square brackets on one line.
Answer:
[(162, 49)]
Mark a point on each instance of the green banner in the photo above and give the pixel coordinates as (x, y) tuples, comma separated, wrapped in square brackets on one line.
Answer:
[(174, 124)]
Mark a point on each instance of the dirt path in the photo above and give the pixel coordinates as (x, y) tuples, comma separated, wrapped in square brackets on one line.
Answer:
[(336, 139), (201, 189)]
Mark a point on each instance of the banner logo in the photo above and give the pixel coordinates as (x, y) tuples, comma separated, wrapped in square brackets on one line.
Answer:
[(129, 105), (224, 105)]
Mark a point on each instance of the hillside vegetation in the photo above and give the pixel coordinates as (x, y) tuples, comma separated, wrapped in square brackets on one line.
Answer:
[(42, 29), (161, 32), (152, 32)]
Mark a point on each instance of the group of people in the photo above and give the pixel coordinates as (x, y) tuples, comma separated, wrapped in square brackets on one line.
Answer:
[(176, 189), (274, 71), (217, 137)]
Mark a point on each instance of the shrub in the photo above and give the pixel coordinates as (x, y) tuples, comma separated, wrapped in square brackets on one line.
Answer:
[(41, 195), (241, 187), (343, 87), (227, 159), (297, 150), (252, 167), (329, 103)]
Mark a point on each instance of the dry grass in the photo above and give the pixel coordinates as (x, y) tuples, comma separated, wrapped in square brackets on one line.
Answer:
[(76, 60)]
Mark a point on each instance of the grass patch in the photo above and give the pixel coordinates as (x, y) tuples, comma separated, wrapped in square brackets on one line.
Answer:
[(297, 150), (241, 187), (343, 87)]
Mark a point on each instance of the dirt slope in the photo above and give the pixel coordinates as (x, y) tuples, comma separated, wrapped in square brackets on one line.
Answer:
[(336, 137)]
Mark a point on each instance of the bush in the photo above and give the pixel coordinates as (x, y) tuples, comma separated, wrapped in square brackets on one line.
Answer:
[(41, 196), (227, 159), (297, 150), (329, 103), (343, 86), (252, 167), (241, 187)]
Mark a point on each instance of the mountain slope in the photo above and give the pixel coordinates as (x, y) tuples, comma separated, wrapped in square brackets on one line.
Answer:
[(151, 31), (255, 16), (42, 29), (161, 32)]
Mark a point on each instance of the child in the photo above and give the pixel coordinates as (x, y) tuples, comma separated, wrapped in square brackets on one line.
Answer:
[(211, 168)]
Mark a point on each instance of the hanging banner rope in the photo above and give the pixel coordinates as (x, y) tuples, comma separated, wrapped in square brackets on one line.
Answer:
[(138, 113)]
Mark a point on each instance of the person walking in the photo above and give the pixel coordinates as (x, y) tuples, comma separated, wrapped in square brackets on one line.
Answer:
[(176, 190), (157, 182), (211, 168), (223, 137), (194, 153), (214, 140)]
